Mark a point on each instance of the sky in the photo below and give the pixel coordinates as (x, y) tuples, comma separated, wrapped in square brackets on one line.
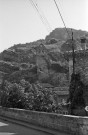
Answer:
[(21, 23)]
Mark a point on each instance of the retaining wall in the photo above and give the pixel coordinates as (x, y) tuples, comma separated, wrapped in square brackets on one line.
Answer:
[(76, 125)]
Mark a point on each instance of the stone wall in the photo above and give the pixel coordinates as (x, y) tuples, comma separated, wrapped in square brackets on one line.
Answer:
[(64, 123)]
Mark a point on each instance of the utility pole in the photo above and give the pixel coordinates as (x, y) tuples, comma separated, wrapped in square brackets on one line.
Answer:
[(73, 53)]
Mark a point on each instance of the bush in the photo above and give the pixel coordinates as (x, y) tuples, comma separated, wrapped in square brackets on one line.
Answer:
[(27, 96), (12, 95)]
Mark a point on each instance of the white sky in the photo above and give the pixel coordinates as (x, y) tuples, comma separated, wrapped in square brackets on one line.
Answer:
[(20, 23)]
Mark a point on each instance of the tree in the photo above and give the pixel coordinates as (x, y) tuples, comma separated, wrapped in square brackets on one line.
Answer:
[(40, 99), (17, 97), (27, 96), (76, 93), (4, 94), (12, 95)]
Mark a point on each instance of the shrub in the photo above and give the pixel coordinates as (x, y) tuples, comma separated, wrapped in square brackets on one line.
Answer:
[(27, 96)]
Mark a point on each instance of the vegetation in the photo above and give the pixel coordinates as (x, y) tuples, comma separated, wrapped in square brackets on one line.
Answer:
[(52, 41), (20, 70), (27, 96), (76, 89), (61, 34)]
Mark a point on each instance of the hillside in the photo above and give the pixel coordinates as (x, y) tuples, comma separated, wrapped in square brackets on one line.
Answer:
[(39, 61), (61, 34)]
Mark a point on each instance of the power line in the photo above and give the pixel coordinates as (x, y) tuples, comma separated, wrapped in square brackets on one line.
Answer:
[(34, 5), (43, 16), (43, 19), (62, 18)]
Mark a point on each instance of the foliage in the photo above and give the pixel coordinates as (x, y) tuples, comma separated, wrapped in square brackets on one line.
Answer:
[(40, 99), (27, 74), (3, 95), (52, 41), (12, 95), (67, 46), (8, 67), (58, 79), (27, 96), (58, 68), (76, 93)]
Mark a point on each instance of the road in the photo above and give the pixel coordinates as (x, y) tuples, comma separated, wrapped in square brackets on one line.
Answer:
[(8, 128)]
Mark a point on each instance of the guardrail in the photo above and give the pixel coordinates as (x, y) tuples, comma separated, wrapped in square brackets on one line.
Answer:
[(65, 123)]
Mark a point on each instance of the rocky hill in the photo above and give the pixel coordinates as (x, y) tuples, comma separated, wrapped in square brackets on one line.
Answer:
[(39, 61), (62, 35)]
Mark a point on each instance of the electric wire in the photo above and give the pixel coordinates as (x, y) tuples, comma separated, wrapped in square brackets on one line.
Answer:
[(41, 16), (34, 5), (41, 12), (62, 18)]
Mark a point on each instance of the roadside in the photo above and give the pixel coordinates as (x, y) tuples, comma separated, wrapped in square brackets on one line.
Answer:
[(27, 126)]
